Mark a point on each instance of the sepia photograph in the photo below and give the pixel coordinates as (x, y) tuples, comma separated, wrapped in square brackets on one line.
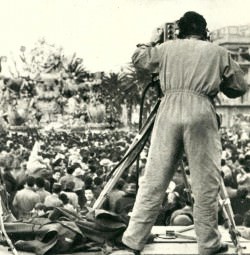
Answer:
[(125, 127)]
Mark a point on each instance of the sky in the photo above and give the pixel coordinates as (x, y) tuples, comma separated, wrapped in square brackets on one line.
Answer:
[(104, 32)]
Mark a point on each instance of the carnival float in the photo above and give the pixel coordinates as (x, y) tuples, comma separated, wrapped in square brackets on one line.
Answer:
[(49, 90)]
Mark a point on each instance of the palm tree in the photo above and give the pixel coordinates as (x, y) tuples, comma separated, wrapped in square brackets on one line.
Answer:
[(125, 87), (110, 89), (137, 80)]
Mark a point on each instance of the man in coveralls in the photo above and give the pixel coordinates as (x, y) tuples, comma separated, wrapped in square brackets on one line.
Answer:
[(192, 71)]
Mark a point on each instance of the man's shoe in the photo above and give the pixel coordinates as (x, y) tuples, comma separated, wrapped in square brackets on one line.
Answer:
[(121, 246), (125, 247), (223, 248)]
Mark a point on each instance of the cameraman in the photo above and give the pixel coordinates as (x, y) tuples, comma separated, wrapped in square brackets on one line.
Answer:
[(192, 71)]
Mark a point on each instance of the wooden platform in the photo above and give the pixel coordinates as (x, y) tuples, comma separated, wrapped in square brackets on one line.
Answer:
[(164, 246), (182, 246)]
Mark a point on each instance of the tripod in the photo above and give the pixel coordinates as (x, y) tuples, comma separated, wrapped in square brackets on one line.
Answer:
[(132, 154)]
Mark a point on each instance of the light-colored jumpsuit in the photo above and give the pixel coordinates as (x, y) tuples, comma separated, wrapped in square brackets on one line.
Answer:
[(190, 72)]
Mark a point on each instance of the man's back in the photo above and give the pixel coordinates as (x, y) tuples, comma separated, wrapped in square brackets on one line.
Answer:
[(66, 179), (193, 65), (52, 201), (190, 65), (25, 200), (42, 193), (73, 198), (114, 196), (192, 71)]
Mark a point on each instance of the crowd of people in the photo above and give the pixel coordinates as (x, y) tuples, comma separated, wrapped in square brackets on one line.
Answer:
[(41, 171), (59, 168)]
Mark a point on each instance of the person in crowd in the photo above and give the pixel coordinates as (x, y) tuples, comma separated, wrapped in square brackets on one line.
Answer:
[(66, 203), (53, 200), (39, 210), (246, 219), (72, 196), (247, 163), (80, 186), (115, 194), (37, 165), (97, 186), (40, 189), (189, 82), (245, 229), (54, 178), (26, 199), (22, 173), (90, 198), (79, 183), (125, 204), (88, 181), (226, 170), (182, 217), (9, 180), (68, 177), (173, 200)]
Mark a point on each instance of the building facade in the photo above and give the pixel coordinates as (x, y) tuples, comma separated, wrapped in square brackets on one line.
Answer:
[(236, 39)]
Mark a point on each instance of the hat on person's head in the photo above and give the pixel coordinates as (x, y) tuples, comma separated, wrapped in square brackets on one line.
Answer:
[(182, 220), (105, 162), (78, 172), (130, 188)]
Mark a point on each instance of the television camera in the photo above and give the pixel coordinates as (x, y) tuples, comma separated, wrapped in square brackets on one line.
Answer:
[(166, 32), (170, 31)]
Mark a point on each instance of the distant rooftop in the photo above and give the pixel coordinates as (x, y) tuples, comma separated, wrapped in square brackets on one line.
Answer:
[(232, 35)]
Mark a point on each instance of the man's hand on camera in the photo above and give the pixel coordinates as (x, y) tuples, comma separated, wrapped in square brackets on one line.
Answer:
[(157, 36)]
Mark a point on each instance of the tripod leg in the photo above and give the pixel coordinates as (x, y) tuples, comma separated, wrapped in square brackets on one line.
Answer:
[(229, 217), (186, 183), (129, 158), (227, 211)]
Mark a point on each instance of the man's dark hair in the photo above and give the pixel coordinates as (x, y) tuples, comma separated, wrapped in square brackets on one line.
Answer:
[(92, 168), (57, 188), (40, 182), (120, 184), (30, 181), (98, 181), (88, 182), (69, 186), (64, 198), (70, 169), (192, 23)]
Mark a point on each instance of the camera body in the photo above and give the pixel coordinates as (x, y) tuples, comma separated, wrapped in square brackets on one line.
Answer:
[(171, 30)]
